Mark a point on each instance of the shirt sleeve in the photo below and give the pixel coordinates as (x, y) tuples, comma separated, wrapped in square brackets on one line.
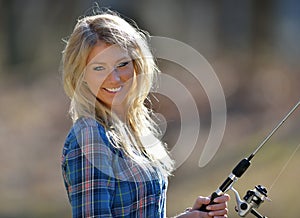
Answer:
[(89, 176)]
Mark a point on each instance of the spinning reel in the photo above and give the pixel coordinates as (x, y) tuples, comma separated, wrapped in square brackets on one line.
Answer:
[(255, 197)]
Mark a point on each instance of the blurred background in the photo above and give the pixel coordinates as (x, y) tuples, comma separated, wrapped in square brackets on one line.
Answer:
[(252, 45)]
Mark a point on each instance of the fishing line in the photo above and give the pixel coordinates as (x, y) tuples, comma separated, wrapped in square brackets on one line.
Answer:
[(284, 167)]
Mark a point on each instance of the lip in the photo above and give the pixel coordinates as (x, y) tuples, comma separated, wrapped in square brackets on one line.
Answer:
[(113, 90)]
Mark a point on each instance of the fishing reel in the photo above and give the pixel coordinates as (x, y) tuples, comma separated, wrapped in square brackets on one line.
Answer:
[(252, 200)]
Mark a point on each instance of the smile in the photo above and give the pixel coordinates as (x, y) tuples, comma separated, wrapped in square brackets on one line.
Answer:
[(113, 90)]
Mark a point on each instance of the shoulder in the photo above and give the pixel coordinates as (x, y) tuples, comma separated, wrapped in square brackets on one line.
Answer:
[(85, 131), (87, 126), (86, 122)]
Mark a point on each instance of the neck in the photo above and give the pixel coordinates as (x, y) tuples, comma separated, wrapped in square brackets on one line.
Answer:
[(120, 111)]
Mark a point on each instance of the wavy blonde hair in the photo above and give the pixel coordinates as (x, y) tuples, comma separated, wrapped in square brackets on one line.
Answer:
[(137, 136)]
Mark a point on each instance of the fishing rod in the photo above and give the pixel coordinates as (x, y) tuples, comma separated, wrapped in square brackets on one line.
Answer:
[(255, 197)]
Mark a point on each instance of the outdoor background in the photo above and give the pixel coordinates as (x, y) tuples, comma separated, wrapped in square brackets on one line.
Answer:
[(254, 48)]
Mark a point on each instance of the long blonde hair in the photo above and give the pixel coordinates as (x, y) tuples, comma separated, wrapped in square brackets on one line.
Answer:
[(137, 136)]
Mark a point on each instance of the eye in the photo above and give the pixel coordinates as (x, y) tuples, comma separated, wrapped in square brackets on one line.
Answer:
[(123, 64), (99, 68)]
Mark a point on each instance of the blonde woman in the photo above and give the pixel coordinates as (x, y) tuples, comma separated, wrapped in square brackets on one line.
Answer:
[(113, 163)]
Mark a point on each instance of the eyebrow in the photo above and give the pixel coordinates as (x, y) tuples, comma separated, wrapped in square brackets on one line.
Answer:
[(103, 63)]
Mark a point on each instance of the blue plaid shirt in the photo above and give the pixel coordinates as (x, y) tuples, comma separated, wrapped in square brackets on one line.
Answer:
[(101, 181)]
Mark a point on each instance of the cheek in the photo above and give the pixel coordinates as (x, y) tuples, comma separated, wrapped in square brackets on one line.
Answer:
[(127, 75), (94, 82)]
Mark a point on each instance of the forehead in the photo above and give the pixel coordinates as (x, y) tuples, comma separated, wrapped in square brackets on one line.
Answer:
[(106, 53)]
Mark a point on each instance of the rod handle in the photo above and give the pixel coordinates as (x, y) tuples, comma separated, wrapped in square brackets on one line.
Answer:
[(212, 198)]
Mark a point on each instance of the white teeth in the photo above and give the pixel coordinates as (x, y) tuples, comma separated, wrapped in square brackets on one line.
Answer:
[(113, 89)]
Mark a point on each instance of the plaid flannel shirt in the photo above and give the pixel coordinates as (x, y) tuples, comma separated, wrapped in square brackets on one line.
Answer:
[(101, 181)]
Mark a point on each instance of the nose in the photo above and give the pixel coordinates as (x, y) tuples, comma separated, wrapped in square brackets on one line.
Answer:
[(114, 76)]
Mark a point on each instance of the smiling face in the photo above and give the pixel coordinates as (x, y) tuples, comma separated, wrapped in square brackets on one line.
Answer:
[(109, 73)]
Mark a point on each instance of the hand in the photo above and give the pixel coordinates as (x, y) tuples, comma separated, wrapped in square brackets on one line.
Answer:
[(218, 210)]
